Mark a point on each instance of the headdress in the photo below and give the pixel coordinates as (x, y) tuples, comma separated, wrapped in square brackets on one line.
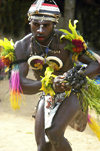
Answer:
[(44, 10)]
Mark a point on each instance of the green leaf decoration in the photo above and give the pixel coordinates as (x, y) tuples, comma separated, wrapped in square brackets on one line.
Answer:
[(69, 47), (7, 50), (47, 81), (91, 95), (70, 35), (8, 46), (73, 28)]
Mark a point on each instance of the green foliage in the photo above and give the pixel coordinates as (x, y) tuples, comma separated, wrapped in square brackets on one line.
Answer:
[(47, 81), (7, 51), (91, 95), (7, 45)]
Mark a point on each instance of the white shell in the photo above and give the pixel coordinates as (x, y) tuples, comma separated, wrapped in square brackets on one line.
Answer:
[(47, 59), (33, 58), (56, 59)]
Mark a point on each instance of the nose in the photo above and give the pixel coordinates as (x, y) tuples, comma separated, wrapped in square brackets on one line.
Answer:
[(40, 29)]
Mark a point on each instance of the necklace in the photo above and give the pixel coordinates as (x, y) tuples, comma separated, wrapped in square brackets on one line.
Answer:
[(38, 59), (45, 46), (39, 49)]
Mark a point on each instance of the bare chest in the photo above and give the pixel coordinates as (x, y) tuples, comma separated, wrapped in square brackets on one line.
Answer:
[(55, 49)]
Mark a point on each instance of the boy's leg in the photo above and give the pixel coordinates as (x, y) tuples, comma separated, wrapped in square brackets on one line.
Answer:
[(65, 114), (39, 129)]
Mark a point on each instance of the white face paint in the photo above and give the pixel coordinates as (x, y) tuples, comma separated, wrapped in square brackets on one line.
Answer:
[(40, 29)]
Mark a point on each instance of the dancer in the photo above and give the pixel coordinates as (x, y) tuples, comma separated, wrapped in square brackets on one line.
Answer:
[(44, 49)]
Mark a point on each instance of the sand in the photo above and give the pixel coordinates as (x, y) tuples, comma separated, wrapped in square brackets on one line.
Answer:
[(17, 127)]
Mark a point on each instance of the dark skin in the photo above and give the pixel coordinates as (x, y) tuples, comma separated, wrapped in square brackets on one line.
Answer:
[(44, 32)]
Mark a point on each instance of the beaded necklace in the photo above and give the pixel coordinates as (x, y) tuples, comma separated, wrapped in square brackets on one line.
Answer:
[(35, 43), (40, 58)]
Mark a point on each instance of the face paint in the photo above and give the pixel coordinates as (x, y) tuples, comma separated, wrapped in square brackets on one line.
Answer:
[(40, 29)]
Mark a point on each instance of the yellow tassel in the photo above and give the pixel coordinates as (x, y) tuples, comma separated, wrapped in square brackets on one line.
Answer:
[(94, 126), (16, 100), (75, 57)]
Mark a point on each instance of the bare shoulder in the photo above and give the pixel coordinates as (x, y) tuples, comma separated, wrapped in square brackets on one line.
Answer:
[(22, 47), (59, 34)]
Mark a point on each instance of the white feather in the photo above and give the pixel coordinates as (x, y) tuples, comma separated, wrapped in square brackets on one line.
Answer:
[(38, 4)]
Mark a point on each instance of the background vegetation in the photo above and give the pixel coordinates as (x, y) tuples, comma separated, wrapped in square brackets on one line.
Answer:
[(14, 22)]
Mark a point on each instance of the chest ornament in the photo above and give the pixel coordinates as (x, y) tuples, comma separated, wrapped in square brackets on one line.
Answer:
[(37, 62)]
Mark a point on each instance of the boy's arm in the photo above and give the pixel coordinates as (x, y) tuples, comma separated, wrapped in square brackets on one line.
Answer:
[(93, 67), (28, 86)]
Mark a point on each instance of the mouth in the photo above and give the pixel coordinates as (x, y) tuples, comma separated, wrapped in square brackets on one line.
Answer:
[(40, 38)]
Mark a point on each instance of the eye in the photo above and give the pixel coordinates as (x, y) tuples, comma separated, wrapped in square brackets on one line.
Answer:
[(46, 25), (35, 24)]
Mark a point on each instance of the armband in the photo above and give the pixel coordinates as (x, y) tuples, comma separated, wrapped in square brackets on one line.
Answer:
[(78, 44)]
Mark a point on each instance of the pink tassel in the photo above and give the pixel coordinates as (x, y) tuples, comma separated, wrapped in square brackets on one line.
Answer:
[(15, 88)]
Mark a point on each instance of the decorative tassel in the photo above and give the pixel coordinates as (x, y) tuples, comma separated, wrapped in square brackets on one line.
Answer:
[(7, 57), (96, 56), (15, 88), (94, 126)]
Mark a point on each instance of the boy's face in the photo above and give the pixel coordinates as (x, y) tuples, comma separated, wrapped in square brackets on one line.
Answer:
[(42, 30)]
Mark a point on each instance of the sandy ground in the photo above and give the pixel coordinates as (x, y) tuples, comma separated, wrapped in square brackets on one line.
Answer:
[(17, 127)]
